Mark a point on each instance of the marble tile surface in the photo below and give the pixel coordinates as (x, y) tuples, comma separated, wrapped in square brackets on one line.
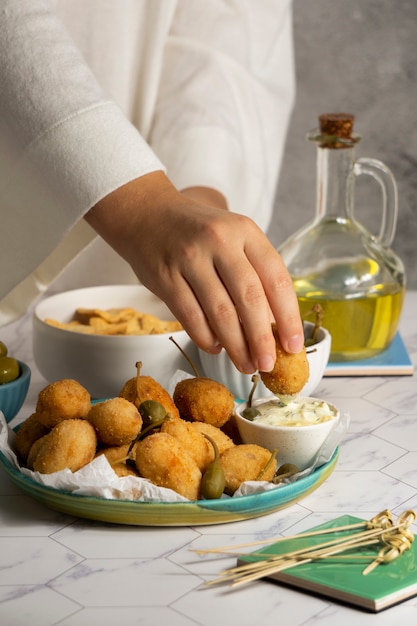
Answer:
[(60, 570)]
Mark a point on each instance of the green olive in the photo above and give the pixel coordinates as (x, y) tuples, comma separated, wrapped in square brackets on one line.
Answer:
[(152, 411), (9, 369), (3, 349), (214, 480), (288, 469), (250, 413)]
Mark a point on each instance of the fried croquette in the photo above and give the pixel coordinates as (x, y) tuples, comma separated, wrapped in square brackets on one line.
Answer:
[(222, 440), (198, 446), (116, 421), (33, 452), (246, 462), (118, 457), (61, 400), (30, 431), (149, 389), (71, 444), (290, 372), (164, 461), (203, 400)]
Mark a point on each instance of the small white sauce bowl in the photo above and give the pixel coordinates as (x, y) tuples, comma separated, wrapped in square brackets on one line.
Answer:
[(294, 444)]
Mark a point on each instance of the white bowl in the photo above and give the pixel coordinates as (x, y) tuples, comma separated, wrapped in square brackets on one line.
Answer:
[(294, 444), (102, 364), (221, 368)]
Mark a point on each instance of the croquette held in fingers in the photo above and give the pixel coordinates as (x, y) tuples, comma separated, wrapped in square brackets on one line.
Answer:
[(61, 400), (290, 372)]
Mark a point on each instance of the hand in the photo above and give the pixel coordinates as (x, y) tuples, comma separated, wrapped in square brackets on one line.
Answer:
[(215, 270)]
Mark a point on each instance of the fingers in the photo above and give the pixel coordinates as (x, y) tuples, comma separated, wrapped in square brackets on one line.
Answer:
[(229, 298), (259, 284), (281, 296)]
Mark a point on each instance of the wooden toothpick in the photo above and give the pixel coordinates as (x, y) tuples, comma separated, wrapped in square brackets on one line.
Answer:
[(396, 539)]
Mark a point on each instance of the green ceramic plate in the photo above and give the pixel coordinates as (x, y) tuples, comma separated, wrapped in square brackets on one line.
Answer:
[(194, 513)]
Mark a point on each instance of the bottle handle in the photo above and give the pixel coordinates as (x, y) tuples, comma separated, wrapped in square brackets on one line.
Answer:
[(383, 175)]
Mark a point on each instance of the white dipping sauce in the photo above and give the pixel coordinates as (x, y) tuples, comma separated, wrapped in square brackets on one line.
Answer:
[(293, 411)]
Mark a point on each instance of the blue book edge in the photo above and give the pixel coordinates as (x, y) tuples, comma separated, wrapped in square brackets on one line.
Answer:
[(395, 360)]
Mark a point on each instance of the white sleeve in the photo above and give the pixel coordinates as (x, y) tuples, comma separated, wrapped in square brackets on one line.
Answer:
[(63, 143), (225, 99)]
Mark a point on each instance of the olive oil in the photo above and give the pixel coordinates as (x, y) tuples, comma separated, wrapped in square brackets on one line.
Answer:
[(361, 326)]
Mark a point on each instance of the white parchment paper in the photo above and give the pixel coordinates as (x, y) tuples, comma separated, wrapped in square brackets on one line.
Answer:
[(98, 478)]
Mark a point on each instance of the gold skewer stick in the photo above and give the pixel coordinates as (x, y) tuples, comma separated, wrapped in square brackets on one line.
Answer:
[(283, 561), (348, 539), (397, 538), (253, 571), (384, 517), (396, 546)]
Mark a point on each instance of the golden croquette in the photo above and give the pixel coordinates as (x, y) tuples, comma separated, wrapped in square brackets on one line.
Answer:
[(61, 400), (246, 462), (70, 444), (202, 399), (116, 421), (290, 372), (30, 431), (164, 461)]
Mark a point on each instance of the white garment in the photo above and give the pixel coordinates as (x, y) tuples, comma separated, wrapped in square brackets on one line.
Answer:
[(94, 93)]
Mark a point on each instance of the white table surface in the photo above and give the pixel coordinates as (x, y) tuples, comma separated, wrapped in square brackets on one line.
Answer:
[(58, 570)]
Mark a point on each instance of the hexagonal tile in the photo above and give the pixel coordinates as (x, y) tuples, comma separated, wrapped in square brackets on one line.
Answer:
[(401, 431), (109, 616), (28, 562), (367, 452), (404, 469), (125, 582), (259, 603), (345, 491), (396, 395), (107, 541), (364, 415), (21, 605)]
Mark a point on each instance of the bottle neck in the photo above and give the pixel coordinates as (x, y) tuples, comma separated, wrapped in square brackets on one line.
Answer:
[(335, 182)]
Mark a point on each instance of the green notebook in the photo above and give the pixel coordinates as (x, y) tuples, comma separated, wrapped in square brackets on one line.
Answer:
[(386, 585)]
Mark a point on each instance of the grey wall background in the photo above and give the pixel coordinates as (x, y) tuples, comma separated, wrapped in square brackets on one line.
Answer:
[(357, 56)]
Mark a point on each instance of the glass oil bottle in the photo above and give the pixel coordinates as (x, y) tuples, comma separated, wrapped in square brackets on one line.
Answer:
[(336, 262)]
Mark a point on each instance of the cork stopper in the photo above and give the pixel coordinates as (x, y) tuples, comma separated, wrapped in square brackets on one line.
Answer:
[(335, 131), (336, 124)]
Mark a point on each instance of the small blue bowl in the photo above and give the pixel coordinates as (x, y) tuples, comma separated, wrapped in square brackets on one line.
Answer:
[(13, 394)]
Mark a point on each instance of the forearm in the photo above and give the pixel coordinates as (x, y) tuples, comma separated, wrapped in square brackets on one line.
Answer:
[(121, 217)]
